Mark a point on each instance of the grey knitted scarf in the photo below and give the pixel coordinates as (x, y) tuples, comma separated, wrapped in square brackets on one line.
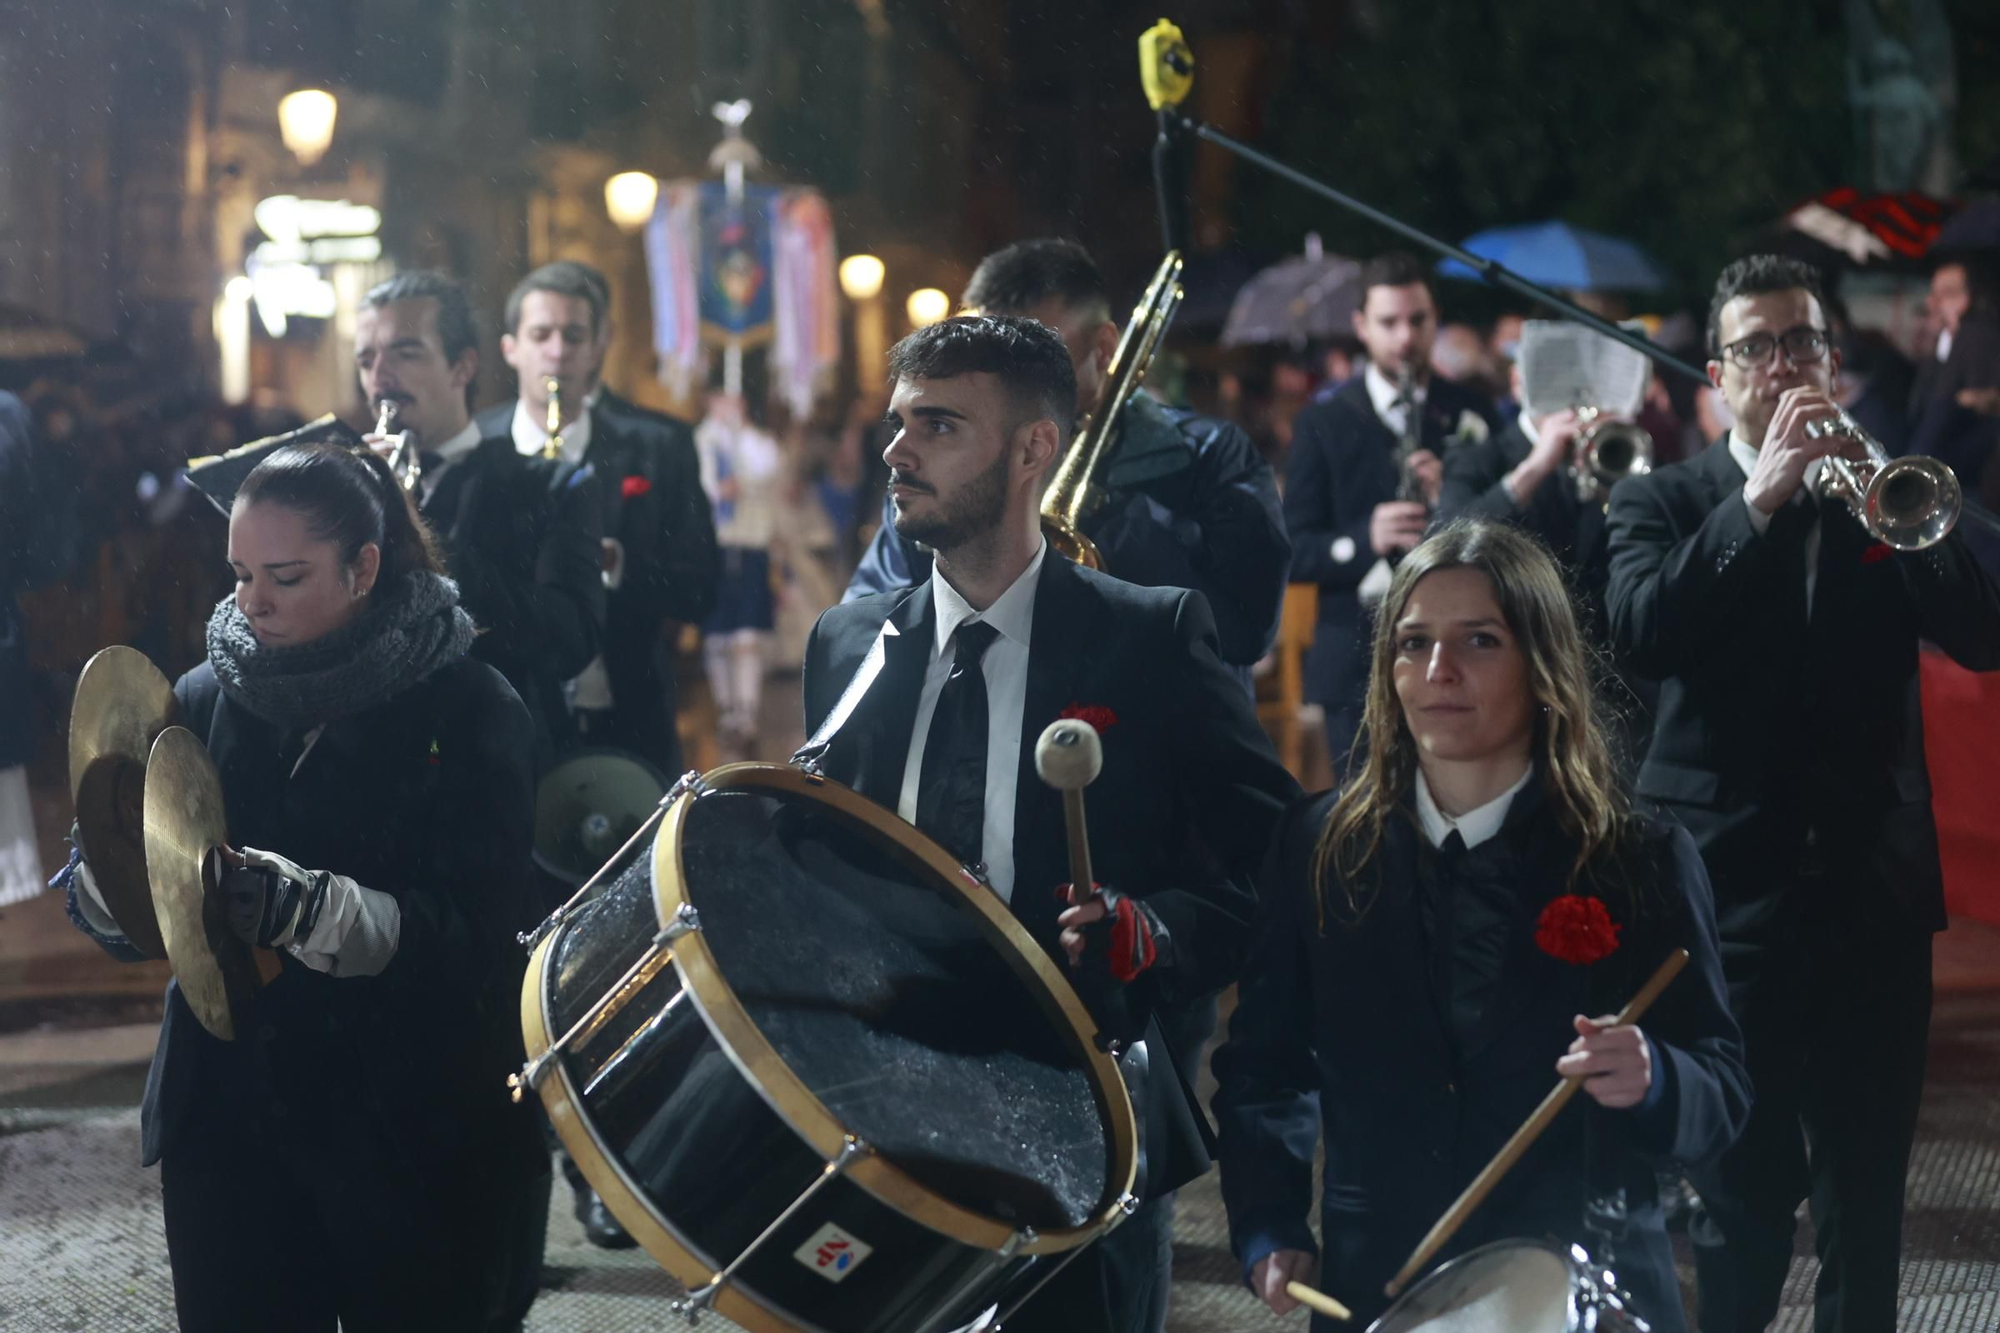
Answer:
[(386, 649)]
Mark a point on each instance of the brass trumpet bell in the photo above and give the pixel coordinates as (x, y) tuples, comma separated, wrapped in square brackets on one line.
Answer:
[(1606, 453), (1906, 503)]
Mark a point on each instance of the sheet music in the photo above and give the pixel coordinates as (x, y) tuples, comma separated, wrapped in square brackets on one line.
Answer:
[(1563, 364)]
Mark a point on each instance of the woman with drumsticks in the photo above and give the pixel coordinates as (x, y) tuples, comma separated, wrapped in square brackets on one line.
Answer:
[(1444, 936), (352, 1154)]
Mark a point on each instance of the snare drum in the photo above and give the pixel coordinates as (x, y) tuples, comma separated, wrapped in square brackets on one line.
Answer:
[(1514, 1286), (820, 1074)]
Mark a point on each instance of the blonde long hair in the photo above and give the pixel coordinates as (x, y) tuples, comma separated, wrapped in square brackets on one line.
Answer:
[(1571, 751)]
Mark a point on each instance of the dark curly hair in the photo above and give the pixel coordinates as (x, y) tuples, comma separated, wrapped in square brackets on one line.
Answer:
[(1757, 275), (1027, 356)]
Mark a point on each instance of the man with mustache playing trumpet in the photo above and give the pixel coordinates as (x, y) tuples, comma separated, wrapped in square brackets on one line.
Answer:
[(520, 535)]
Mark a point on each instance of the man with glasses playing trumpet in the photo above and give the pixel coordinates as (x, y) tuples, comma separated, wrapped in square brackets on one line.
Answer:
[(520, 535), (1784, 631)]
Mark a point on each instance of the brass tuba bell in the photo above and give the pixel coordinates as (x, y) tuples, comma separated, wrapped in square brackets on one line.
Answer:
[(1072, 493)]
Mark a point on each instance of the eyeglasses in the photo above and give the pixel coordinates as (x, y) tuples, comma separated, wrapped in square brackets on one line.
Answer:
[(1803, 345)]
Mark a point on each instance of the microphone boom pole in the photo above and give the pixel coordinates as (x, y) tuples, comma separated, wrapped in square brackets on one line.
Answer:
[(1166, 69)]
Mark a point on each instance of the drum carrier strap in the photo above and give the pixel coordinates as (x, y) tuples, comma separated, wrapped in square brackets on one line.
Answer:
[(807, 756)]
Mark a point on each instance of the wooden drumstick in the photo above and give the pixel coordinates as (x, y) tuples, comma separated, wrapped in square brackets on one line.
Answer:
[(1315, 1299), (1510, 1152), (1069, 757)]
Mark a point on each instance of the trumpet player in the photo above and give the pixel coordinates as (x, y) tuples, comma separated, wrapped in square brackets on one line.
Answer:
[(1364, 474), (1541, 473), (1784, 634), (519, 535), (658, 555)]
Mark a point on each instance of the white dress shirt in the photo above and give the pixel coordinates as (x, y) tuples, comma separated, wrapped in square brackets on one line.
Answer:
[(1745, 455), (1006, 668), (1383, 396), (1474, 826), (448, 453), (1383, 393), (529, 437)]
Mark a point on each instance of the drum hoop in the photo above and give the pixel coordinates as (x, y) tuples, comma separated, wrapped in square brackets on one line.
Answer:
[(600, 1166), (1559, 1250), (787, 1094)]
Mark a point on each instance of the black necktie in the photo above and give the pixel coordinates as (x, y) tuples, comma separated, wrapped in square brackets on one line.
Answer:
[(951, 787)]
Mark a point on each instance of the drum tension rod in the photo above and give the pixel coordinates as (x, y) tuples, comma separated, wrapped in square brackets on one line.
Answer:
[(1127, 1205), (686, 921), (690, 781), (692, 1305), (947, 1306)]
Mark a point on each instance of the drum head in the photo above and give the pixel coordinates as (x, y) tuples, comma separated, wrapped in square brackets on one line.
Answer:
[(1506, 1287), (887, 992)]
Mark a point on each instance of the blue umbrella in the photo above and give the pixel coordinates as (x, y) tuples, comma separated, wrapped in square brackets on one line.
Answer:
[(1556, 254)]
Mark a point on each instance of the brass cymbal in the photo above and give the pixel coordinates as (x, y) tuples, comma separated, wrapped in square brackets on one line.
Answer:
[(185, 827), (122, 705)]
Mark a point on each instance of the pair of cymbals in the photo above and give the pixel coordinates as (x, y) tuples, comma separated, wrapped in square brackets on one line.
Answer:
[(151, 816)]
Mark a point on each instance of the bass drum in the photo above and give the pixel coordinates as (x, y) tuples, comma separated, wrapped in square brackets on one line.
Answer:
[(1514, 1286), (819, 1073)]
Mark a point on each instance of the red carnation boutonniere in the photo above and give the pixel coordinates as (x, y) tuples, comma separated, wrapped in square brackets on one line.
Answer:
[(633, 487), (1874, 552), (1577, 930), (1099, 718)]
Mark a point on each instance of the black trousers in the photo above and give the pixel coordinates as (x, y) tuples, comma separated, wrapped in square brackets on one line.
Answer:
[(290, 1233), (1835, 1008)]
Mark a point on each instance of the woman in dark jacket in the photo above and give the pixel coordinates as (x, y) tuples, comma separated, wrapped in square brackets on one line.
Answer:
[(1432, 938), (353, 1154)]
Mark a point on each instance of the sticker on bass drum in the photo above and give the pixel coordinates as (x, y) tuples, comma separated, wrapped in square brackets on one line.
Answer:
[(832, 1253)]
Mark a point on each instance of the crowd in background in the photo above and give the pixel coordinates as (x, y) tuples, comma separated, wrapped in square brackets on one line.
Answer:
[(147, 568)]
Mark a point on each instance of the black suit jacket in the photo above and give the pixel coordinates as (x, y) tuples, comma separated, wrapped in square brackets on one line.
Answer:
[(649, 480), (1574, 532), (1775, 726), (1341, 1032), (521, 537), (1343, 464), (1187, 503), (1190, 792)]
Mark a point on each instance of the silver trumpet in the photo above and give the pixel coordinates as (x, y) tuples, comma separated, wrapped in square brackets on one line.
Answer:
[(1907, 503), (1606, 452), (403, 459)]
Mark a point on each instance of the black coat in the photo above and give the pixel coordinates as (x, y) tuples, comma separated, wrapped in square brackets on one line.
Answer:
[(1190, 792), (1772, 725), (1574, 532), (38, 520), (1188, 503), (427, 797), (649, 480), (1341, 1032), (522, 538), (1343, 464)]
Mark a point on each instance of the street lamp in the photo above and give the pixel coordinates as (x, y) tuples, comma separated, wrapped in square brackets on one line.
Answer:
[(305, 122), (861, 278), (629, 197), (926, 306)]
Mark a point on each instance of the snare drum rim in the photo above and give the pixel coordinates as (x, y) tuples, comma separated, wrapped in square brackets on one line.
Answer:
[(788, 1095), (1572, 1317), (627, 1203)]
